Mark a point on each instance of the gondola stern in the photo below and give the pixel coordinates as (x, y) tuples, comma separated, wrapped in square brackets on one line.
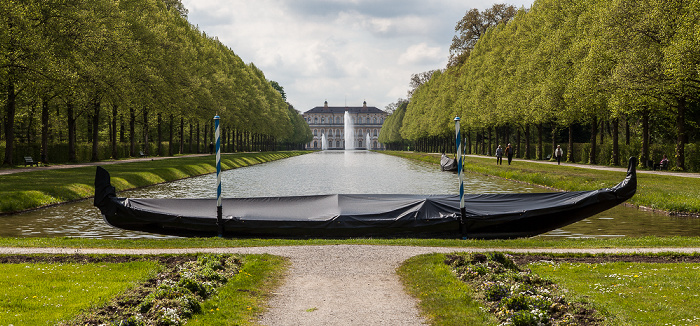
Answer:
[(628, 187), (104, 193)]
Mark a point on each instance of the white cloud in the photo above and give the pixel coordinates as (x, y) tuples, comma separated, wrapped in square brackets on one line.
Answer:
[(336, 50), (421, 54)]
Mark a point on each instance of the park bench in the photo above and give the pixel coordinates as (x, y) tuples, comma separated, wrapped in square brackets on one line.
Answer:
[(28, 160), (142, 154)]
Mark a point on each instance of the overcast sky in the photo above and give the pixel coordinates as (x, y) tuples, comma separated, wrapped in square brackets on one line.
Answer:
[(342, 51)]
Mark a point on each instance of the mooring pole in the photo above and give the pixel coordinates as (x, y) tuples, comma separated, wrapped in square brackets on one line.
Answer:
[(462, 211), (219, 210)]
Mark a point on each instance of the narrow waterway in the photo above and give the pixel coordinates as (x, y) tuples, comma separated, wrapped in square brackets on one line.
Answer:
[(330, 172)]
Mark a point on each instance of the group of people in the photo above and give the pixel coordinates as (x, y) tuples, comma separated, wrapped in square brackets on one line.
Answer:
[(508, 152), (558, 154)]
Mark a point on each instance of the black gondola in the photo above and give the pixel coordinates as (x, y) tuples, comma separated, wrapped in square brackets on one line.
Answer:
[(447, 164), (488, 216)]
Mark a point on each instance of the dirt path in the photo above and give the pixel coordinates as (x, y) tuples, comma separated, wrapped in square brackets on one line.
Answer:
[(339, 284)]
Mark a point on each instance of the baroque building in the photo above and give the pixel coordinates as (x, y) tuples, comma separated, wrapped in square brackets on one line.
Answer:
[(330, 121)]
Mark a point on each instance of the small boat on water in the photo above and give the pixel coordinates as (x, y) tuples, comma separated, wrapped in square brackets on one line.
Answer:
[(487, 216), (448, 164)]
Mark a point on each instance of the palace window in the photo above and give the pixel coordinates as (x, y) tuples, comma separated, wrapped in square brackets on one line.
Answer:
[(315, 134), (315, 144)]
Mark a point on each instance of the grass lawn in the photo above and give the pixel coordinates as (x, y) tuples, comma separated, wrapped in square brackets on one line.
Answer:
[(664, 192), (634, 293), (244, 297), (444, 300), (27, 190), (46, 293), (214, 242), (626, 293)]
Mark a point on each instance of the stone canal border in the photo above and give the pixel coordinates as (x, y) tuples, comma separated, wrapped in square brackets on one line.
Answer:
[(340, 284)]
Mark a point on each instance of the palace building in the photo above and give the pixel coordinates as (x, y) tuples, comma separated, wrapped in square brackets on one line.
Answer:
[(330, 121)]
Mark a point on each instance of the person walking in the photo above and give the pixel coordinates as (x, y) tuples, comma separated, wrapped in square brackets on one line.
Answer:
[(499, 155), (558, 153), (509, 153)]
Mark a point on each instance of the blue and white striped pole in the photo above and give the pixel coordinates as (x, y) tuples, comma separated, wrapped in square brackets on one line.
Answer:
[(462, 211), (219, 210)]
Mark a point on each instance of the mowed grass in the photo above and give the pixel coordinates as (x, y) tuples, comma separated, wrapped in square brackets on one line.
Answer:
[(633, 293), (215, 242), (46, 293), (658, 191), (27, 190), (443, 299), (245, 296), (626, 293)]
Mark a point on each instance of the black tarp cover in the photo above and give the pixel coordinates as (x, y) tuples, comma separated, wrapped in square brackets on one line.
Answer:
[(353, 215)]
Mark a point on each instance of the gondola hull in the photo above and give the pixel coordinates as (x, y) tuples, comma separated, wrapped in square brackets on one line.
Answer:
[(447, 164), (488, 216)]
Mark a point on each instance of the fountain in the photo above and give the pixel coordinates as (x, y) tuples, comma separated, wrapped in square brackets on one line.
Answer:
[(324, 145), (349, 132), (369, 146)]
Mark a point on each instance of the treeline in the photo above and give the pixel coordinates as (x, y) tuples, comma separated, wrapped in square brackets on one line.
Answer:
[(624, 73), (128, 77)]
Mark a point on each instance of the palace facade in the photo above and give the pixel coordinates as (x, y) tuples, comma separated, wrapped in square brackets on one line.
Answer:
[(330, 121)]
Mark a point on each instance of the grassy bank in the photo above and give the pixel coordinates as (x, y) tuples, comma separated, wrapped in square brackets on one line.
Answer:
[(27, 190), (214, 242), (668, 193)]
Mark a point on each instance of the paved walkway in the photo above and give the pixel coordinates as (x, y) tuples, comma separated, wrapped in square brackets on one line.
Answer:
[(339, 284), (598, 167), (78, 165)]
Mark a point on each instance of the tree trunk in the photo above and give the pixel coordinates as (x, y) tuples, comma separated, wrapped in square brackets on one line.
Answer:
[(44, 131), (70, 115), (554, 139), (594, 131), (627, 132), (645, 138), (96, 104), (540, 131), (10, 106), (170, 137), (132, 132), (182, 134), (517, 142), (189, 147), (160, 134), (570, 150), (680, 132), (198, 151), (115, 151), (615, 140), (490, 145), (206, 136), (527, 142), (146, 147)]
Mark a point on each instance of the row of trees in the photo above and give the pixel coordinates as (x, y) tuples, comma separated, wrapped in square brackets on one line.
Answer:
[(83, 71), (564, 64)]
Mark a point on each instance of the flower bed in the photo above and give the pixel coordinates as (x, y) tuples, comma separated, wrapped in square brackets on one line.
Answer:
[(169, 299), (517, 296)]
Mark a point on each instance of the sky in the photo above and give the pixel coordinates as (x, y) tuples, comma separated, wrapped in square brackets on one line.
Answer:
[(341, 51)]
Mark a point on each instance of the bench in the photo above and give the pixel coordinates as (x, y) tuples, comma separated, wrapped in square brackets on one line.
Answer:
[(142, 154), (549, 157), (28, 160)]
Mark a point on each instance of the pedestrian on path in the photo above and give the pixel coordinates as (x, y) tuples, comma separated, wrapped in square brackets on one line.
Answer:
[(509, 153), (499, 155), (558, 153)]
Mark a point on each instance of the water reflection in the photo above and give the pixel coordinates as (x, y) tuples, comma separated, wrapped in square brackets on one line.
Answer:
[(331, 172)]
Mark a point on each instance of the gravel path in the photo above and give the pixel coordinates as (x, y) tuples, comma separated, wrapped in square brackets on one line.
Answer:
[(338, 284)]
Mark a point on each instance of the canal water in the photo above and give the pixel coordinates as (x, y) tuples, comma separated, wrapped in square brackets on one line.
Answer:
[(331, 172)]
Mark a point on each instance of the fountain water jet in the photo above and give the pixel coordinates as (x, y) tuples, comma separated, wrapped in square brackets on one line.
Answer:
[(349, 132), (324, 145), (368, 144)]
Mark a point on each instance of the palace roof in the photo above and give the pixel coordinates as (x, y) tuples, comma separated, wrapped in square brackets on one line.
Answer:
[(342, 109)]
